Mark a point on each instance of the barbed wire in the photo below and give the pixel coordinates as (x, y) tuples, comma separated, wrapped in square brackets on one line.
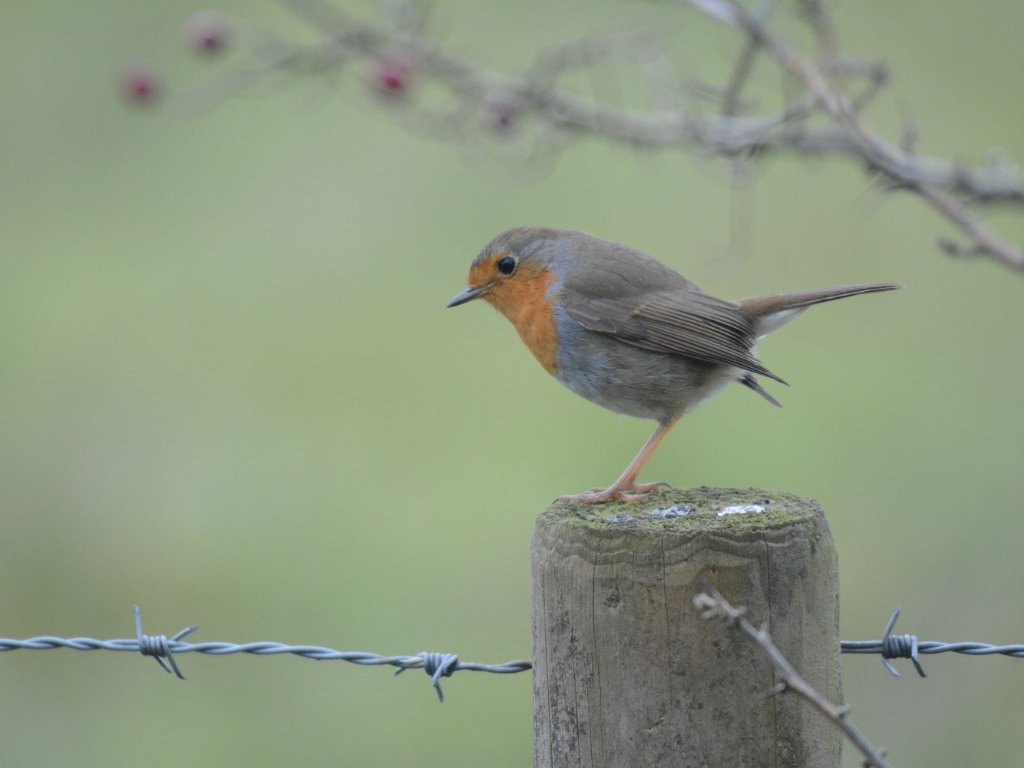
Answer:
[(438, 665), (909, 647)]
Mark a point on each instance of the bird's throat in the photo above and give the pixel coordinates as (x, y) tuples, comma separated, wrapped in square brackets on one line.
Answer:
[(525, 302)]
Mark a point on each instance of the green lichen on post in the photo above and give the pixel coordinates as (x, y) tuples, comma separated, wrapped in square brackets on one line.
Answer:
[(689, 511)]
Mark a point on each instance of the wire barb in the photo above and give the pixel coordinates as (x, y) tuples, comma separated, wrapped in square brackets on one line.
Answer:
[(909, 647), (890, 647), (899, 647), (158, 646), (436, 665)]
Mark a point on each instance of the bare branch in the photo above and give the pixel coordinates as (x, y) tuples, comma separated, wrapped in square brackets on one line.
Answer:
[(715, 606), (740, 74), (825, 118), (880, 155)]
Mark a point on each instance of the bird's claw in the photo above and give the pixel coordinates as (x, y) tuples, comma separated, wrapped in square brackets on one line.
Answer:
[(615, 493), (647, 488)]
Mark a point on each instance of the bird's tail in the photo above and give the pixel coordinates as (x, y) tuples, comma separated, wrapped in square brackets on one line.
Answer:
[(772, 312)]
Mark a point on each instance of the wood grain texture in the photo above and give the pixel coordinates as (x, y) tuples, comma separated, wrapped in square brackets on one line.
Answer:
[(627, 673)]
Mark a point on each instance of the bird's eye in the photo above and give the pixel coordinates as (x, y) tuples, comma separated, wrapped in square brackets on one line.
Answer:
[(507, 265)]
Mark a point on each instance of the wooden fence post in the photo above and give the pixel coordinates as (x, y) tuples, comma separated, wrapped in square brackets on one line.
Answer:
[(627, 673)]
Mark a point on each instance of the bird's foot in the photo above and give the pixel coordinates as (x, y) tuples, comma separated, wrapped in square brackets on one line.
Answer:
[(617, 492)]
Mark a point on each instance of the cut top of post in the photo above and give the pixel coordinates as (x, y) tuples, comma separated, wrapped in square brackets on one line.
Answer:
[(688, 513)]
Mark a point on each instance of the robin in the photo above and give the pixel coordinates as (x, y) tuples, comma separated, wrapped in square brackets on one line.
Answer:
[(623, 330)]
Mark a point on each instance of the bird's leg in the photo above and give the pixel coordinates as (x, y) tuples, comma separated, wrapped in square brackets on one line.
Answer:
[(627, 481)]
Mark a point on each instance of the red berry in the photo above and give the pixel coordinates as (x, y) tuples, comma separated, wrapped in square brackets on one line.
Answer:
[(207, 32), (503, 117), (141, 84), (502, 112), (393, 75)]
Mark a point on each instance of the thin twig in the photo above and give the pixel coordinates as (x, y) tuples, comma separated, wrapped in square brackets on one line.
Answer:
[(715, 606)]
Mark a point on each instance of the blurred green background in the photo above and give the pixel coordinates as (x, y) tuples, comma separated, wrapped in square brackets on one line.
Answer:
[(231, 393)]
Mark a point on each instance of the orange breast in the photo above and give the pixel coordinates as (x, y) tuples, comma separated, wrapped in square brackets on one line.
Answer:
[(523, 301)]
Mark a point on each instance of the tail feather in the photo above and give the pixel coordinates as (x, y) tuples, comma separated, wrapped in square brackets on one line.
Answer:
[(748, 380), (771, 312)]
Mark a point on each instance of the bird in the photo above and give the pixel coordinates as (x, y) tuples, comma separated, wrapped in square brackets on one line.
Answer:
[(627, 332)]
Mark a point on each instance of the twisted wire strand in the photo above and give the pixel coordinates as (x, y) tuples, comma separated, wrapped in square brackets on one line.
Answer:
[(909, 647), (439, 665), (163, 649)]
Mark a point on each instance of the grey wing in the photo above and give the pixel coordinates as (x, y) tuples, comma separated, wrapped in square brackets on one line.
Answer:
[(689, 323)]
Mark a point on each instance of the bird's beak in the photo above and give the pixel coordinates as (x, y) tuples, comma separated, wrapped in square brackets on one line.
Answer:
[(467, 295)]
